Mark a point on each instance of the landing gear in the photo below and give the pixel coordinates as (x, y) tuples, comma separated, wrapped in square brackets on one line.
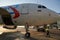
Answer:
[(27, 34), (40, 29)]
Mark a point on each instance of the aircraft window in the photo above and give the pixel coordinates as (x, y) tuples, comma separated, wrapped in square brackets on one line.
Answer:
[(43, 7), (39, 6)]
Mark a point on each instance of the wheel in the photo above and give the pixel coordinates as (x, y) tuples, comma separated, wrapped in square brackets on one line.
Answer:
[(27, 35), (38, 30)]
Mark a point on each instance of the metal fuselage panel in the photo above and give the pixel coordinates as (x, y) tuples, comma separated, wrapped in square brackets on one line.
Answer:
[(29, 13)]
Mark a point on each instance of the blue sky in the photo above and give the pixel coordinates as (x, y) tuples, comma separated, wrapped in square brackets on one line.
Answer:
[(51, 4)]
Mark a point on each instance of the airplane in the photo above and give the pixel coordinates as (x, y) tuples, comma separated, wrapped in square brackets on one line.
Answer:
[(28, 14)]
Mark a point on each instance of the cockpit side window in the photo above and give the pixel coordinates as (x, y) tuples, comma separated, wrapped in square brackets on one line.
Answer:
[(43, 7), (39, 6)]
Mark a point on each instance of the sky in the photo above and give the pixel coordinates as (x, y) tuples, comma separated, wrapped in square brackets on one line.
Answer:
[(51, 4)]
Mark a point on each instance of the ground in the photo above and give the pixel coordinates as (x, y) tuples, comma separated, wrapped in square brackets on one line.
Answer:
[(18, 34)]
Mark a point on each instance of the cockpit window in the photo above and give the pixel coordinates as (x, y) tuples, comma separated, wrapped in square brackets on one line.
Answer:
[(43, 7), (39, 6)]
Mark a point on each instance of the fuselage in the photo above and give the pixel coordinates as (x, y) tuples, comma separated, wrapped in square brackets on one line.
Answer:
[(33, 14)]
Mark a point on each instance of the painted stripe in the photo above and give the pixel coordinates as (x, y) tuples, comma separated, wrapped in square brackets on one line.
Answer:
[(16, 12), (11, 12)]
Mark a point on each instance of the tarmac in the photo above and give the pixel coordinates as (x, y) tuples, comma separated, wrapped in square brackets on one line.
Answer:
[(18, 34)]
